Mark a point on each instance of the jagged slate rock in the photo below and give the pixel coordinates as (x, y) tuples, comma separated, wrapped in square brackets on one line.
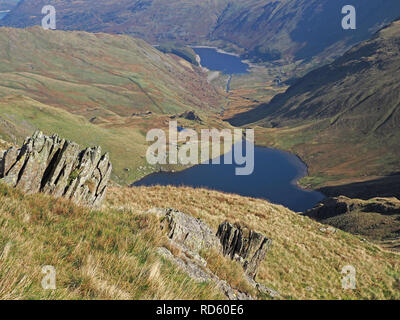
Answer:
[(57, 167), (30, 178), (8, 158), (11, 178), (61, 174), (185, 230), (195, 271), (104, 168), (244, 245), (189, 231)]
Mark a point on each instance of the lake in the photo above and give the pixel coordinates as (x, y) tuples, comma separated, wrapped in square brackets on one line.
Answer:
[(274, 178), (212, 59), (3, 14)]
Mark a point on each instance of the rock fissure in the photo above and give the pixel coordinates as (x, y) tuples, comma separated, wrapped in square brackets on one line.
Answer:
[(57, 167)]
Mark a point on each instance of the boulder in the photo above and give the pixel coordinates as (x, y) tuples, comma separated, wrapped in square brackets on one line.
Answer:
[(191, 235), (189, 115), (244, 245), (57, 167), (188, 231), (200, 273)]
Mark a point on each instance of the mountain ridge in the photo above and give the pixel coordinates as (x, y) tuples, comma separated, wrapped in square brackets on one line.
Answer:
[(281, 31)]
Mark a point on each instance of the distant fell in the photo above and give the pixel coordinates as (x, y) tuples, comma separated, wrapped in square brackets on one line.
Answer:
[(263, 30)]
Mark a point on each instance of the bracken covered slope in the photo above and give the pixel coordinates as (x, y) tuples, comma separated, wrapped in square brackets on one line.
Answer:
[(98, 74)]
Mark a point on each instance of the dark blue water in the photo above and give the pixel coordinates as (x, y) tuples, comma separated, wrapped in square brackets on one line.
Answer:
[(274, 178), (2, 15), (226, 63)]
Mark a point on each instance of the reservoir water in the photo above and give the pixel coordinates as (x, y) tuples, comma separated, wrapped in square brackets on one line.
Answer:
[(3, 13), (214, 60), (275, 172), (274, 178)]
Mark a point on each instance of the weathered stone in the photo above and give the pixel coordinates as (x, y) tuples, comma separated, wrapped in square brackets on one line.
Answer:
[(202, 274), (263, 289), (8, 158), (57, 167), (190, 236), (244, 245), (191, 232), (190, 115)]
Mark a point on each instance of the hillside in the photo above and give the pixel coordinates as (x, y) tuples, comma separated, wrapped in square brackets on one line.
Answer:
[(377, 218), (343, 119), (7, 4), (112, 253), (263, 30), (297, 30), (96, 89), (98, 75)]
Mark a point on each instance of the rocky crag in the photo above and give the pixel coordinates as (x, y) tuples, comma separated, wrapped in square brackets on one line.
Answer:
[(57, 167), (244, 245), (376, 218), (191, 236)]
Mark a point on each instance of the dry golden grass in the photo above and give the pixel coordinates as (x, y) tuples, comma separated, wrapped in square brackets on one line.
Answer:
[(304, 262), (4, 145), (112, 253), (105, 254), (228, 270)]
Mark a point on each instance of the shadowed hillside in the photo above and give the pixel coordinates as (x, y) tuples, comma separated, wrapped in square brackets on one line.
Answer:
[(343, 118)]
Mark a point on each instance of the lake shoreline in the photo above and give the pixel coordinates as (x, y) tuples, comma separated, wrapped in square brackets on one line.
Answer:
[(275, 179)]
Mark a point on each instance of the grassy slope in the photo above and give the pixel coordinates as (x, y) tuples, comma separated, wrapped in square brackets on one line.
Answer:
[(24, 115), (97, 254), (87, 87), (123, 137), (378, 219), (98, 74), (111, 253)]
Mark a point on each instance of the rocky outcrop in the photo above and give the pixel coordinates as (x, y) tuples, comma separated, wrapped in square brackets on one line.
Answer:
[(57, 167), (331, 207), (190, 236), (188, 231), (188, 115), (377, 219), (244, 245), (197, 271)]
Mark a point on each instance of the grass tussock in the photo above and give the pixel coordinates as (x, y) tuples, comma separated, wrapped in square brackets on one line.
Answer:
[(112, 253), (228, 270), (303, 263), (104, 254)]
